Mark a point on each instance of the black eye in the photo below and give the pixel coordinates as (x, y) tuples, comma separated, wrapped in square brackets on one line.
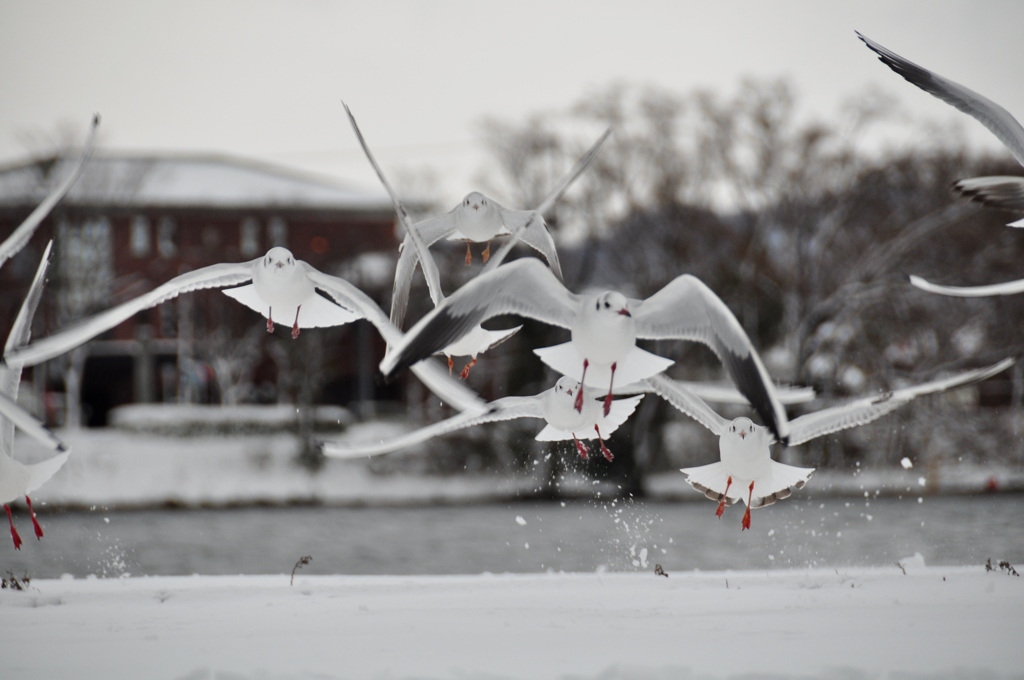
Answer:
[(597, 305), (606, 305)]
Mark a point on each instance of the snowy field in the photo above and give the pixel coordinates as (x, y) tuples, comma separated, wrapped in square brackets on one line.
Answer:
[(934, 622)]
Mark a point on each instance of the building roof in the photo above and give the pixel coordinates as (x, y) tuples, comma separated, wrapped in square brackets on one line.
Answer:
[(184, 181)]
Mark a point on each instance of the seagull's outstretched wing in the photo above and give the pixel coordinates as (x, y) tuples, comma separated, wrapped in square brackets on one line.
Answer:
[(1008, 288), (10, 376), (28, 424), (993, 116), (214, 276), (525, 287), (686, 309), (508, 408), (997, 192), (422, 250), (432, 375), (686, 401), (529, 225), (430, 231), (863, 411), (17, 240)]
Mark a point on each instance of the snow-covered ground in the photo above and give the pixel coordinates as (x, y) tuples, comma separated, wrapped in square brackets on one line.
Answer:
[(116, 468), (932, 622)]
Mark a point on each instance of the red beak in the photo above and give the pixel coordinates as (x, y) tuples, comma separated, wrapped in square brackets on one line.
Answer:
[(625, 312)]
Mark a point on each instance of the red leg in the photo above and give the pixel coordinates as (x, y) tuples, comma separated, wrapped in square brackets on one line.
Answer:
[(469, 253), (451, 365), (581, 448), (487, 252), (35, 522), (746, 515), (604, 449), (270, 320), (465, 369), (608, 399), (721, 503), (295, 326), (579, 394), (14, 532)]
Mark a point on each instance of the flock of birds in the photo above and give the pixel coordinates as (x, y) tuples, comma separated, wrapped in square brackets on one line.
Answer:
[(604, 373)]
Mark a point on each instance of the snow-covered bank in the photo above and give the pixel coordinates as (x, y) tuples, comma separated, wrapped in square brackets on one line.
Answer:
[(855, 623), (114, 468)]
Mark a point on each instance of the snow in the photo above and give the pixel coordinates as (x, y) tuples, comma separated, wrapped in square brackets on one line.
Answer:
[(113, 468), (852, 623), (171, 180)]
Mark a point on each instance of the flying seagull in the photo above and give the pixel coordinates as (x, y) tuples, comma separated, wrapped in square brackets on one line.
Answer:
[(17, 479), (999, 192), (20, 236), (479, 339), (746, 470), (604, 330), (556, 406), (479, 218), (279, 282)]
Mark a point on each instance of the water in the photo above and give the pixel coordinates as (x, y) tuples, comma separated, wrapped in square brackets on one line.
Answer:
[(521, 537)]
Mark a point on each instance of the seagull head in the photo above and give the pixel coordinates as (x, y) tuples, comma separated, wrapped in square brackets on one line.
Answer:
[(612, 302), (742, 428), (278, 258), (566, 386), (475, 201)]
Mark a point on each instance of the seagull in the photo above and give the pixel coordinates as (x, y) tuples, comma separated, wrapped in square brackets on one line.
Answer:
[(556, 406), (279, 282), (479, 339), (604, 330), (479, 218), (17, 479), (746, 470), (20, 236), (999, 192)]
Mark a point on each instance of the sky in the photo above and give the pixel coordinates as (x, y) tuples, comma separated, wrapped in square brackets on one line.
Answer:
[(264, 78)]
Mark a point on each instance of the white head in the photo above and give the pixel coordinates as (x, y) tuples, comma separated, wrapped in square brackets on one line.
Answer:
[(278, 258), (611, 302), (742, 428), (566, 387), (475, 202)]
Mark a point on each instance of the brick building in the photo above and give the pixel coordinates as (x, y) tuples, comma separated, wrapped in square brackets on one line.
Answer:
[(131, 223)]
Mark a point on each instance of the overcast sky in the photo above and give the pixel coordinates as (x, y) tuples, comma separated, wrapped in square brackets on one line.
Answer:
[(263, 78)]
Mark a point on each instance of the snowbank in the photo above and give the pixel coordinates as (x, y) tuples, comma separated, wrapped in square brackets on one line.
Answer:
[(113, 468), (855, 623)]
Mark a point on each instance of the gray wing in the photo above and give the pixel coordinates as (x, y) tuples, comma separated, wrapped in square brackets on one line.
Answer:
[(529, 227), (1008, 288), (525, 287), (27, 423), (997, 192), (686, 401), (430, 231), (686, 309), (863, 411), (993, 116), (17, 240), (543, 242), (421, 250), (214, 276), (436, 379), (508, 408), (10, 376), (723, 393)]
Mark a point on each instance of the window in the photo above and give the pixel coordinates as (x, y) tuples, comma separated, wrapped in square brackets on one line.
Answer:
[(249, 239), (141, 240), (166, 230), (277, 232)]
